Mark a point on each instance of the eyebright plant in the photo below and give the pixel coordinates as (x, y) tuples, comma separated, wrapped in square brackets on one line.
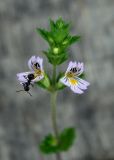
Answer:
[(59, 40)]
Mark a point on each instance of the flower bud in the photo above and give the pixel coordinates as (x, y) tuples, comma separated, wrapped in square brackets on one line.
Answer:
[(55, 50)]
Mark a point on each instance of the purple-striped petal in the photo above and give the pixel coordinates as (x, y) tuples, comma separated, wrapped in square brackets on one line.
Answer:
[(31, 62), (65, 81), (80, 68), (70, 65), (40, 61), (35, 63), (75, 89), (83, 82)]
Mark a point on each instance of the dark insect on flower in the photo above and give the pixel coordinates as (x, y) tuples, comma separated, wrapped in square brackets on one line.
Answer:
[(29, 78), (27, 84)]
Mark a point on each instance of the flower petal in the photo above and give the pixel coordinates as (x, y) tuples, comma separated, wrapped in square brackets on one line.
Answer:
[(35, 63), (65, 81), (22, 77), (82, 86), (80, 68), (40, 61), (71, 78), (38, 78), (83, 82), (70, 65), (75, 89), (31, 61)]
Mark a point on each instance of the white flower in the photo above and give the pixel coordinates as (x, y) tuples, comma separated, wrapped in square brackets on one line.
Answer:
[(36, 70), (72, 80), (23, 77), (35, 63)]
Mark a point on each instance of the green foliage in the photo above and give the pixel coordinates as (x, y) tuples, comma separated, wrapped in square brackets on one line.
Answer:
[(82, 76), (49, 145), (59, 39), (45, 82), (73, 39), (60, 85), (65, 140), (56, 59)]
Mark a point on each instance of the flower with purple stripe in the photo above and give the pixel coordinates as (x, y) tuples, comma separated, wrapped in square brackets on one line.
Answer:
[(72, 77), (35, 65)]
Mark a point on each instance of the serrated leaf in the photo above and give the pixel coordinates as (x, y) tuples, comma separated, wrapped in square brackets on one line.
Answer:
[(66, 138), (60, 23), (59, 39), (52, 25), (43, 33), (59, 35), (74, 39), (56, 59), (46, 35)]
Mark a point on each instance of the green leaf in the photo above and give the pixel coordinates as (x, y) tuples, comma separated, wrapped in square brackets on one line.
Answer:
[(61, 24), (60, 75), (60, 85), (66, 138), (46, 35), (45, 82), (43, 33), (49, 144), (82, 76), (74, 39), (52, 25), (59, 39), (56, 59), (59, 36)]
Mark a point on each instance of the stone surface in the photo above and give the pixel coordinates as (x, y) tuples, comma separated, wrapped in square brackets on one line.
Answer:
[(25, 120)]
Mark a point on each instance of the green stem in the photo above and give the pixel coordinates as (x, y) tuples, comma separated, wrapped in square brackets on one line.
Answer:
[(54, 75), (53, 111), (54, 123)]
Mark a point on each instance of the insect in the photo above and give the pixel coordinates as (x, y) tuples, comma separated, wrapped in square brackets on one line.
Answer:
[(28, 78), (37, 65), (27, 84)]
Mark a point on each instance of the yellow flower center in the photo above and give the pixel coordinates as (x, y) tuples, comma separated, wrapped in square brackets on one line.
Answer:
[(73, 81), (38, 72), (70, 75)]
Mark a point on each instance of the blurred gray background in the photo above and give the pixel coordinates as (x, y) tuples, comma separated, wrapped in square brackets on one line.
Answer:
[(25, 120)]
